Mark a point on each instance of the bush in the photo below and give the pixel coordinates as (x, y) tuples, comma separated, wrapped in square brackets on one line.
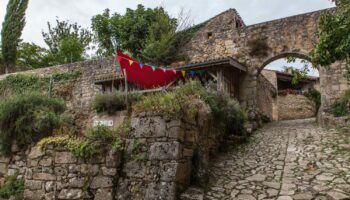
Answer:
[(113, 102), (97, 142), (315, 96), (224, 110), (13, 187), (26, 118), (340, 107)]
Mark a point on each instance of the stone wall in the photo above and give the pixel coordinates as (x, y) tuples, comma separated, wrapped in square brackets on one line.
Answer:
[(293, 106), (84, 89), (160, 159), (267, 98), (54, 173), (164, 156)]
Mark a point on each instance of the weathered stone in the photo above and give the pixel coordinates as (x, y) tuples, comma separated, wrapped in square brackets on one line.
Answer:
[(303, 196), (3, 169), (36, 152), (45, 162), (193, 194), (33, 194), (76, 182), (165, 151), (70, 194), (50, 186), (274, 185), (33, 185), (104, 194), (245, 197), (337, 195), (101, 182), (257, 178), (285, 198), (109, 171), (65, 158), (44, 177)]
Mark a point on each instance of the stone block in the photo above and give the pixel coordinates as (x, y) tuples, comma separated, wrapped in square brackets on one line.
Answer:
[(65, 158), (162, 190), (44, 177), (70, 194), (33, 194), (33, 185), (46, 162), (104, 194), (3, 169), (101, 182), (150, 127), (109, 171), (165, 151), (50, 186), (135, 169), (76, 182), (36, 152)]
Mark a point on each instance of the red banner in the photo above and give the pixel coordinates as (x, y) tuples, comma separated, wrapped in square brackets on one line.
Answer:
[(146, 76)]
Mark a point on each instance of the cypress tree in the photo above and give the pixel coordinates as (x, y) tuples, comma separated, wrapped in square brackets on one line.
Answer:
[(11, 32)]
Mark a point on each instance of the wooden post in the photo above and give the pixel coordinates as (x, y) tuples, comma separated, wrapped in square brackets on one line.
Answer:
[(126, 89), (50, 86)]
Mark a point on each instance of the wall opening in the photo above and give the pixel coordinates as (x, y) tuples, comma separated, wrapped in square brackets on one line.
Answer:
[(287, 87)]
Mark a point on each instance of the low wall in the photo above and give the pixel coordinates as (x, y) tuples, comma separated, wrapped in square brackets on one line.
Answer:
[(292, 106), (160, 159), (164, 156), (54, 173)]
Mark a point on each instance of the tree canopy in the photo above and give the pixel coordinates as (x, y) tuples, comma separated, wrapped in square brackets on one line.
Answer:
[(67, 42), (146, 33), (32, 56), (334, 37), (11, 32)]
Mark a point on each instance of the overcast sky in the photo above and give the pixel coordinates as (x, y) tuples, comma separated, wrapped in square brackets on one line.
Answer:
[(81, 11)]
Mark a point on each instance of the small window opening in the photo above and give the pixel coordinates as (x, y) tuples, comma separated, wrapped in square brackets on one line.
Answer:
[(210, 35)]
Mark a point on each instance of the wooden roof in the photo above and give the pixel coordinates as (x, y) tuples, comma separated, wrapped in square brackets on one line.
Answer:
[(223, 61)]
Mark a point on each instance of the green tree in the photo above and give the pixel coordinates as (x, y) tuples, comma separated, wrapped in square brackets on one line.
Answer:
[(32, 56), (160, 44), (129, 32), (334, 37), (12, 28), (67, 42)]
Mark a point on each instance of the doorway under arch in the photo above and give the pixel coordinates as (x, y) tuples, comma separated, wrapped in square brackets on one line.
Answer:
[(281, 94)]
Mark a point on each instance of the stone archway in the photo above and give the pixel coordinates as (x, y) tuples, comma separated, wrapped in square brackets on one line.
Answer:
[(278, 98)]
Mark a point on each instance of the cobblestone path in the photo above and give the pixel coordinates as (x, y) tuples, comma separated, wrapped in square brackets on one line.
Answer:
[(284, 161)]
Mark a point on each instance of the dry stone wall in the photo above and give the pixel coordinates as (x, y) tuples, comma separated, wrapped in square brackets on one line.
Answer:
[(161, 158), (55, 173), (164, 156), (295, 106)]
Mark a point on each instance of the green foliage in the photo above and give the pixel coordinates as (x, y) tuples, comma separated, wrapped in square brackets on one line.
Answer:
[(113, 102), (21, 83), (13, 187), (97, 142), (315, 96), (179, 103), (26, 118), (67, 42), (340, 107), (334, 37), (128, 32), (11, 32), (32, 56)]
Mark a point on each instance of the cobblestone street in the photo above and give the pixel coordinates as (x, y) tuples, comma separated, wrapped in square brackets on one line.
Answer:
[(284, 161)]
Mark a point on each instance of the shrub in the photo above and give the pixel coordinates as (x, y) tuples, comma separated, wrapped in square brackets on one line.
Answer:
[(27, 118), (224, 110), (315, 96), (97, 142), (340, 107), (113, 102), (13, 187)]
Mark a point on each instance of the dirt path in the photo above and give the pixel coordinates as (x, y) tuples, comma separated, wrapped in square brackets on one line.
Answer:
[(285, 160)]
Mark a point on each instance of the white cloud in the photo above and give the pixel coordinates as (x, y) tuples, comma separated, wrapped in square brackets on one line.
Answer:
[(81, 11)]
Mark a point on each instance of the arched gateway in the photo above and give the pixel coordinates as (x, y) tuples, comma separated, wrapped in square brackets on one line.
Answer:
[(251, 48)]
